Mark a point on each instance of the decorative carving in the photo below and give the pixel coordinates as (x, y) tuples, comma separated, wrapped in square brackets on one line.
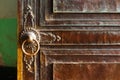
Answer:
[(29, 62), (30, 46), (29, 17), (29, 36), (32, 30), (50, 37)]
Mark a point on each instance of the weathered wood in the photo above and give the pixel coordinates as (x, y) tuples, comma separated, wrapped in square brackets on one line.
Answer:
[(80, 39), (64, 13), (86, 71), (86, 6), (60, 64)]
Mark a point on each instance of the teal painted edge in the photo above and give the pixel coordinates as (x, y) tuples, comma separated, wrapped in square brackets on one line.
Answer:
[(8, 42)]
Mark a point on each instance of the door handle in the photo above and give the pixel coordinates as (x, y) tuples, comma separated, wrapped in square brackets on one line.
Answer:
[(30, 41), (29, 37)]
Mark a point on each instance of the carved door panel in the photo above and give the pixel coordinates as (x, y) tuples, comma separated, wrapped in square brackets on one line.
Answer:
[(68, 39)]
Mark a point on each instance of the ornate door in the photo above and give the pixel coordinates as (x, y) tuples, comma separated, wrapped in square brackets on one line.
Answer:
[(68, 40)]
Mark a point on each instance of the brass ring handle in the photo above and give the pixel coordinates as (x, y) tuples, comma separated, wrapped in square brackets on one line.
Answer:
[(30, 41), (30, 48)]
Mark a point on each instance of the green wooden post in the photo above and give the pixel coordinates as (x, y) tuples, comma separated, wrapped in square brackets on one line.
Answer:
[(8, 41), (8, 33)]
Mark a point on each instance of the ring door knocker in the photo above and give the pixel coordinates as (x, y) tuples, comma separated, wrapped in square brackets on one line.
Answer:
[(29, 36), (30, 41), (30, 46)]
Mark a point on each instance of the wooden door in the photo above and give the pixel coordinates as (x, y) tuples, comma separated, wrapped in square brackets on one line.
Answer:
[(68, 40)]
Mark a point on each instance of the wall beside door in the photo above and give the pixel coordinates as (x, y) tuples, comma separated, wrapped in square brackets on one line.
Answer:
[(8, 33)]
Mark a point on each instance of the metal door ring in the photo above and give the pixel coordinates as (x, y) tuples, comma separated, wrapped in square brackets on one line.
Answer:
[(30, 48)]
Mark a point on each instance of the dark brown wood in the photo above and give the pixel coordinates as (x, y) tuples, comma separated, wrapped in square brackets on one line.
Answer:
[(79, 39), (86, 71), (72, 16), (59, 64), (85, 6)]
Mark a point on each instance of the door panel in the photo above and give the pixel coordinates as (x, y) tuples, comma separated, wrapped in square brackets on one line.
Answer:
[(79, 64), (86, 71), (68, 39), (80, 13), (85, 6), (80, 37)]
